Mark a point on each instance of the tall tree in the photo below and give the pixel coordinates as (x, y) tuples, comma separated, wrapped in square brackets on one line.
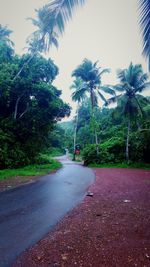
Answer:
[(42, 39), (29, 109), (6, 45), (144, 6), (50, 22), (79, 88), (91, 74), (133, 81), (5, 35)]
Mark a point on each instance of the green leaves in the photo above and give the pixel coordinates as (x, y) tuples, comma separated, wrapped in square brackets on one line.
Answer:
[(91, 74), (62, 12), (144, 6), (30, 106)]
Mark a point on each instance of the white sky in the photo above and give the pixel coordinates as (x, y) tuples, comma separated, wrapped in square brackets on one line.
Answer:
[(104, 30)]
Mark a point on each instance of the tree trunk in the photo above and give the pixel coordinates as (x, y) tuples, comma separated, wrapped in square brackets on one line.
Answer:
[(127, 142), (25, 111), (93, 118), (96, 142), (75, 133), (25, 63), (16, 107), (29, 59)]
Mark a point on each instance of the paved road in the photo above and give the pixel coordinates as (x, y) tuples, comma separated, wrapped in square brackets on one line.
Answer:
[(28, 212)]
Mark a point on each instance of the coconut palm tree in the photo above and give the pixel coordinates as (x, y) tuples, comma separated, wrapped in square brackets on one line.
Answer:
[(78, 95), (51, 21), (144, 6), (4, 36), (133, 81), (91, 74), (43, 38), (62, 10)]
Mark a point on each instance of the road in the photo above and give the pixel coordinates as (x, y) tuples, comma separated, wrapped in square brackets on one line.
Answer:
[(28, 212)]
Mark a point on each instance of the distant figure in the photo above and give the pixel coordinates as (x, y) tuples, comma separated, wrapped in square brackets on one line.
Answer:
[(67, 151)]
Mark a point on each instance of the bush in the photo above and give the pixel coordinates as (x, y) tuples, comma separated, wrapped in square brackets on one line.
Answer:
[(42, 159), (11, 153), (90, 155), (140, 146), (111, 151)]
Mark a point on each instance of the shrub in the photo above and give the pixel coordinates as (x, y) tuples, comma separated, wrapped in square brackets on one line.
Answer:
[(90, 155), (140, 146), (110, 151)]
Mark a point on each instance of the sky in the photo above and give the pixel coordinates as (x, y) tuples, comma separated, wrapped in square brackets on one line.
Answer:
[(104, 30)]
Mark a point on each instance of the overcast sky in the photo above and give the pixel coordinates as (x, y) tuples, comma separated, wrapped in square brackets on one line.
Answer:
[(104, 30)]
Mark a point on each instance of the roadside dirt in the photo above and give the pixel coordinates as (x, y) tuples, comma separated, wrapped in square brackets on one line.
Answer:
[(109, 229), (14, 182)]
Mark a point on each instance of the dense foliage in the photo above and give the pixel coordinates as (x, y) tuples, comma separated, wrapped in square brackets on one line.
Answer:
[(30, 106), (112, 129)]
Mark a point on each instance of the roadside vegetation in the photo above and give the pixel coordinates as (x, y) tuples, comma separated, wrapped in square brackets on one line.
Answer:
[(30, 107), (123, 132), (123, 165), (45, 166)]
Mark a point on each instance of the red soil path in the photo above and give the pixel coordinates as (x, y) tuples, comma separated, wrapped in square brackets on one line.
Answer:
[(110, 229)]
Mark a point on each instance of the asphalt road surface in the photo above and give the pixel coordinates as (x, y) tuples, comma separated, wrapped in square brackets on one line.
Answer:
[(28, 212)]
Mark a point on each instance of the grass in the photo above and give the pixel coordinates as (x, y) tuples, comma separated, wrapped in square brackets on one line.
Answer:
[(56, 152), (121, 165), (31, 170)]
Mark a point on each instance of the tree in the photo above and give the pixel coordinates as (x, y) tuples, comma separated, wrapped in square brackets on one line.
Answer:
[(6, 45), (144, 6), (132, 82), (91, 74), (42, 39), (79, 93), (50, 22), (30, 107), (62, 12), (4, 35)]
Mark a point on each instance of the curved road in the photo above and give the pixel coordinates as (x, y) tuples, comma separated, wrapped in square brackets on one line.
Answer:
[(28, 212)]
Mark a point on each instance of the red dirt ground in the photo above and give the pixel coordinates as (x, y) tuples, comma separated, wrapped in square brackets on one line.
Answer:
[(110, 229)]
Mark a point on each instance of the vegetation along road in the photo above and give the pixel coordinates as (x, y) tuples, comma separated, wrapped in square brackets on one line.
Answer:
[(28, 212)]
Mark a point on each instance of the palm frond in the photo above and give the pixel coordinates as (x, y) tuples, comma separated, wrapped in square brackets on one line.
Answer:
[(143, 87), (45, 36), (102, 97), (113, 99), (108, 89), (144, 6), (104, 71), (63, 11), (79, 94), (5, 34), (119, 87)]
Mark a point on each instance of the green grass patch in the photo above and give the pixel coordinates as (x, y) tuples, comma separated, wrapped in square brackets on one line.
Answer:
[(121, 165), (56, 152), (31, 170)]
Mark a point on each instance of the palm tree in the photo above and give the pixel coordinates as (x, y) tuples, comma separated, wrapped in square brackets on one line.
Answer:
[(62, 10), (132, 82), (4, 36), (51, 20), (78, 95), (91, 74), (43, 38), (6, 45), (144, 6)]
